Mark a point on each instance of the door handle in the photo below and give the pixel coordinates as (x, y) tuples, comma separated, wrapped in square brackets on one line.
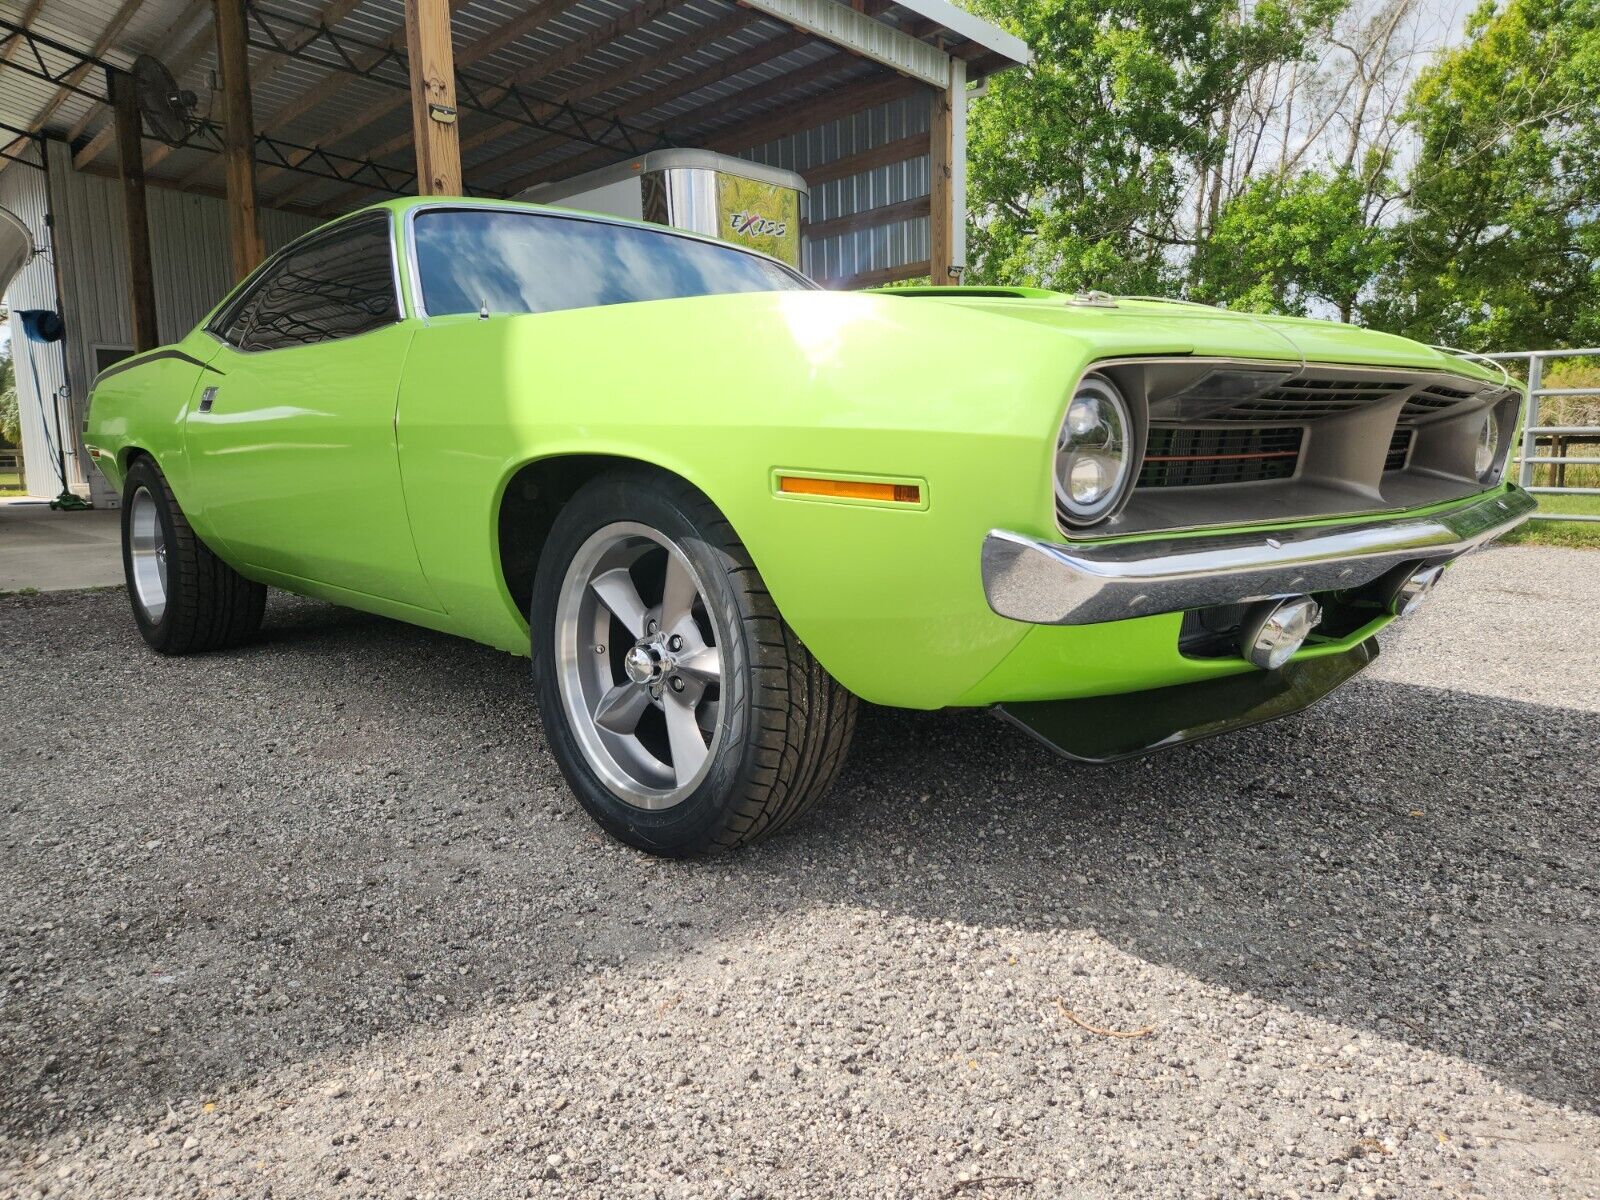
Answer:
[(207, 398)]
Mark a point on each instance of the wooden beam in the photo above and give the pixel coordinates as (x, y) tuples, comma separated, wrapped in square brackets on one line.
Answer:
[(759, 130), (130, 168), (189, 51), (769, 127), (883, 275), (755, 56), (776, 86), (624, 73), (867, 218), (333, 84), (14, 40), (262, 68), (536, 16), (581, 49), (433, 97), (639, 68), (102, 171), (575, 52), (862, 35), (95, 147), (941, 216), (888, 154), (239, 160), (568, 55), (115, 26)]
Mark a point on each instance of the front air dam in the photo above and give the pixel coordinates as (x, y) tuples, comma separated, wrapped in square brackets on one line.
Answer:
[(1105, 729)]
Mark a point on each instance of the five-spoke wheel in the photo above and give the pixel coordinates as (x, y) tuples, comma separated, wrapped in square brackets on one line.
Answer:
[(639, 664), (683, 711)]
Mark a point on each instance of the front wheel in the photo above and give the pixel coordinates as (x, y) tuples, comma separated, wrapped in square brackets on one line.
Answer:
[(685, 714)]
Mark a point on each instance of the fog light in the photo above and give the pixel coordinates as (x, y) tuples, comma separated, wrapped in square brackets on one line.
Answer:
[(1274, 629), (1411, 590)]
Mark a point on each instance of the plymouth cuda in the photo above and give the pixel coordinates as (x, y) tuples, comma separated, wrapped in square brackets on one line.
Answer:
[(718, 505)]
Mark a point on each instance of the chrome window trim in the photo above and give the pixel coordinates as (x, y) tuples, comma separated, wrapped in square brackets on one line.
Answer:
[(253, 281), (418, 309)]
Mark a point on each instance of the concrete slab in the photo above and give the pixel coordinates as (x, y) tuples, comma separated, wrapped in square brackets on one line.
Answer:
[(49, 551)]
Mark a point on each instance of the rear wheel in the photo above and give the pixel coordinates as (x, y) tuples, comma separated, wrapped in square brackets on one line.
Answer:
[(683, 711), (185, 599)]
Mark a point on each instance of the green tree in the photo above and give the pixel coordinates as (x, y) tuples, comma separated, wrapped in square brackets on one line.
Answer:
[(10, 418), (1501, 245), (1302, 245), (1081, 163)]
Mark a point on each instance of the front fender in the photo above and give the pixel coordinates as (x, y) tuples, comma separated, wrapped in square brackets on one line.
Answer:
[(725, 391)]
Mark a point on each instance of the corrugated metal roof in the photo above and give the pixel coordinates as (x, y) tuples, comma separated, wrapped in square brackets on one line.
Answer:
[(687, 71), (370, 113)]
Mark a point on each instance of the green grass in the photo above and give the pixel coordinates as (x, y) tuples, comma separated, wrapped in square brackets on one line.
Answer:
[(1581, 409), (1563, 533)]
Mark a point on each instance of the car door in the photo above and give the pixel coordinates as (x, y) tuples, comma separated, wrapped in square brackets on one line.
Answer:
[(292, 444)]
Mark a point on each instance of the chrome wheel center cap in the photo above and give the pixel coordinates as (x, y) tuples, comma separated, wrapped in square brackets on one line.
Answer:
[(642, 664)]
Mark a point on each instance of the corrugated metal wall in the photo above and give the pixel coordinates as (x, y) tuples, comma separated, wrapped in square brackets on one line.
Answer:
[(189, 249), (92, 265), (880, 248)]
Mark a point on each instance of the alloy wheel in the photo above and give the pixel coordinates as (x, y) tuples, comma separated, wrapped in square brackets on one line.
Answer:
[(147, 550), (639, 664)]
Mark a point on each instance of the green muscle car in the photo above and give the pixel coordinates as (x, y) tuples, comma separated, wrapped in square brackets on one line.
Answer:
[(718, 505)]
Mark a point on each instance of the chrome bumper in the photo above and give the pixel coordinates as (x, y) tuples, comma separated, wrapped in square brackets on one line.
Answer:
[(1053, 583)]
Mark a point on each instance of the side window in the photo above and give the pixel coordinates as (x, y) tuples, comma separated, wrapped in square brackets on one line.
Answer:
[(336, 287), (233, 324), (518, 261), (233, 318)]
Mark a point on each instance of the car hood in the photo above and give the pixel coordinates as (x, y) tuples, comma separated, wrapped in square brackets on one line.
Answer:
[(1139, 326)]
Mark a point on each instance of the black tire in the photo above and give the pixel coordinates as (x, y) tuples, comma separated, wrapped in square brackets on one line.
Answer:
[(208, 605), (785, 723)]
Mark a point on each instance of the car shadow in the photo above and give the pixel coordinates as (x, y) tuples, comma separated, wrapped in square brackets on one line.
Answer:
[(355, 827), (1415, 862)]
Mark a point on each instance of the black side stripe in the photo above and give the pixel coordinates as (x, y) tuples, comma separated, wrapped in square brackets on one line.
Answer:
[(149, 356)]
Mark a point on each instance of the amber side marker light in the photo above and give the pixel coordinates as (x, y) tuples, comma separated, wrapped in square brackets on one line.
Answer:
[(850, 489)]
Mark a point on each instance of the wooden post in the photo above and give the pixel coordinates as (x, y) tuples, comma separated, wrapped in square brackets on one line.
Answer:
[(941, 189), (130, 167), (433, 97), (239, 135)]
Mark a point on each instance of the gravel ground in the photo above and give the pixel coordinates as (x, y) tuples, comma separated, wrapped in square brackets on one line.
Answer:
[(318, 918)]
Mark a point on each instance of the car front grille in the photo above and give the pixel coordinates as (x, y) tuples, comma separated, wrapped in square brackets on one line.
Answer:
[(1399, 450), (1309, 399), (1430, 401), (1201, 457), (1232, 442)]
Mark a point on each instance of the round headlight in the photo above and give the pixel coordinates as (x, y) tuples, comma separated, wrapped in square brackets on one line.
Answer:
[(1093, 452), (1488, 448)]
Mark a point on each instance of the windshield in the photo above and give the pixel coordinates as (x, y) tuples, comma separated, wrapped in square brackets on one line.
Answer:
[(523, 262)]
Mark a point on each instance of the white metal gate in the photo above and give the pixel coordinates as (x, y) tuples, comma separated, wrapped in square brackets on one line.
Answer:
[(1557, 437)]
